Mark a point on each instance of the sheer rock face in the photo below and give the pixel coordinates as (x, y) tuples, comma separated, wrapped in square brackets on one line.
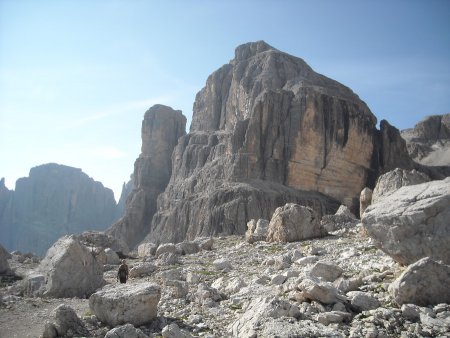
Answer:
[(266, 124), (161, 128), (53, 201)]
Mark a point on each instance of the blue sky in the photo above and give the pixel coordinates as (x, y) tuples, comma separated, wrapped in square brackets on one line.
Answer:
[(76, 77)]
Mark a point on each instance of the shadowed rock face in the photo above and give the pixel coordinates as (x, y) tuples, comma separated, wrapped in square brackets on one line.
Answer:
[(161, 128), (53, 201), (265, 124)]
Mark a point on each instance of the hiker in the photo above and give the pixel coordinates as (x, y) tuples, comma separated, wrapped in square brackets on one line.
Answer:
[(122, 274)]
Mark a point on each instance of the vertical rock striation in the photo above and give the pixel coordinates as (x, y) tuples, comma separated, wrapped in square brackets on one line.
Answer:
[(161, 128), (267, 130)]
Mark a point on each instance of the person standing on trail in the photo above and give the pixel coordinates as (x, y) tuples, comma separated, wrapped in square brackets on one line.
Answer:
[(122, 274)]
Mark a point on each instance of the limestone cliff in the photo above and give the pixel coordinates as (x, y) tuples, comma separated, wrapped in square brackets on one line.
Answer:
[(266, 130), (53, 201), (161, 128)]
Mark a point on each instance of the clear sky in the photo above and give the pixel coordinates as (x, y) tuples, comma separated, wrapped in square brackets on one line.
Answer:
[(76, 77)]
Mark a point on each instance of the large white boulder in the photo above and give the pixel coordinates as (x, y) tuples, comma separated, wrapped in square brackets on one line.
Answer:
[(412, 222), (423, 283), (146, 249), (394, 180), (118, 304), (293, 222), (70, 270)]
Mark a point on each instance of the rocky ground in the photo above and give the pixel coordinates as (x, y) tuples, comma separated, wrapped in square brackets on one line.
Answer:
[(252, 290)]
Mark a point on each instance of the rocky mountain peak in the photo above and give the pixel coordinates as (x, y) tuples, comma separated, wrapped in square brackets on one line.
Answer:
[(429, 141), (250, 49), (233, 90)]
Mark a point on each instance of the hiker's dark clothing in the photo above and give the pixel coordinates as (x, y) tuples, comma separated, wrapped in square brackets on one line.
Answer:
[(122, 274)]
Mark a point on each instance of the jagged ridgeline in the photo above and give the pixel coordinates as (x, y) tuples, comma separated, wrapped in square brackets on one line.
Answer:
[(53, 201), (266, 130)]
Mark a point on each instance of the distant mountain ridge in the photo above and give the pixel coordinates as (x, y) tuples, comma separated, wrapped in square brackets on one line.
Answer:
[(53, 201), (429, 141)]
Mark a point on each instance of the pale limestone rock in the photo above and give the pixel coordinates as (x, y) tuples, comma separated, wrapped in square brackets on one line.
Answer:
[(126, 303), (66, 319), (278, 279), (306, 260), (161, 128), (327, 271), (223, 264), (111, 257), (167, 258), (394, 180), (294, 222), (256, 230), (179, 288), (422, 283), (365, 198), (229, 286), (142, 270), (342, 219), (323, 292), (146, 249), (125, 331), (70, 270), (173, 331), (258, 310), (411, 312), (205, 243), (166, 248), (187, 247), (362, 301), (412, 222), (328, 318)]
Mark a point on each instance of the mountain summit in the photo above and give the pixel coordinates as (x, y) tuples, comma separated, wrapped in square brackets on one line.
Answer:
[(266, 130)]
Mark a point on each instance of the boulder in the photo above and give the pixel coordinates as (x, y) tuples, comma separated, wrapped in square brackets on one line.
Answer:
[(332, 317), (342, 219), (229, 286), (256, 230), (294, 222), (142, 270), (166, 248), (126, 303), (4, 265), (323, 292), (187, 247), (362, 301), (365, 198), (33, 284), (258, 311), (168, 258), (99, 239), (147, 249), (111, 257), (426, 282), (205, 243), (125, 331), (395, 179), (70, 270), (412, 222), (66, 319), (173, 331), (327, 271), (223, 264)]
